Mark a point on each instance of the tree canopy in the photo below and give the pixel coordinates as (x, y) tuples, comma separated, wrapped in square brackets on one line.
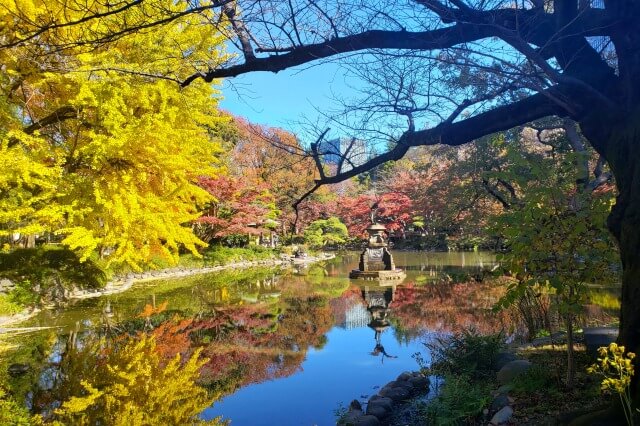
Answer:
[(100, 146)]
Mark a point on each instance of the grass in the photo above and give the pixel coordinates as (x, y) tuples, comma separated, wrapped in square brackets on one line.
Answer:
[(541, 393), (212, 256), (460, 401), (8, 306)]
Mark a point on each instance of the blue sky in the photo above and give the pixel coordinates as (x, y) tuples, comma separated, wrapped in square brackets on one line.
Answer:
[(282, 99)]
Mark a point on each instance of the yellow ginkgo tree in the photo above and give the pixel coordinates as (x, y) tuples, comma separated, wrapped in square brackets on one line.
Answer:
[(99, 144)]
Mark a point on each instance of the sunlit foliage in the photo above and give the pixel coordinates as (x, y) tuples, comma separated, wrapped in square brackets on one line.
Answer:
[(326, 232), (100, 145)]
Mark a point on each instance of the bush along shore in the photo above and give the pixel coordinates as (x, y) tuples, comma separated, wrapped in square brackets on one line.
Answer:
[(33, 279)]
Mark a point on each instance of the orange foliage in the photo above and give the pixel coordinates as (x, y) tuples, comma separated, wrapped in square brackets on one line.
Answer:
[(149, 310)]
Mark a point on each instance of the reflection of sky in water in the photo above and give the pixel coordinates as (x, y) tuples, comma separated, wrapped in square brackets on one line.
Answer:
[(341, 371)]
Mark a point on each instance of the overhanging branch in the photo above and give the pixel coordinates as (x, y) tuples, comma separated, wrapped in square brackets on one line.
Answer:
[(374, 39)]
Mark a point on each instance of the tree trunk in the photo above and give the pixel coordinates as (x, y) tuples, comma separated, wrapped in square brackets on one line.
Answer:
[(622, 151), (571, 367), (624, 222), (617, 139)]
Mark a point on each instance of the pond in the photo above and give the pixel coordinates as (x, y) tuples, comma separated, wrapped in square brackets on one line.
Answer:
[(285, 347)]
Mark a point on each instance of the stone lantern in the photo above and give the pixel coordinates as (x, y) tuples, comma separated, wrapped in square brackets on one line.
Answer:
[(375, 261)]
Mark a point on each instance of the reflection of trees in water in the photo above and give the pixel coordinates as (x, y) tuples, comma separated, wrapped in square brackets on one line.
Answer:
[(245, 343), (253, 356), (250, 343), (121, 381), (446, 307)]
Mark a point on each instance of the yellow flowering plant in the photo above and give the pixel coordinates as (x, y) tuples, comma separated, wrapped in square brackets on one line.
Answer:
[(617, 369)]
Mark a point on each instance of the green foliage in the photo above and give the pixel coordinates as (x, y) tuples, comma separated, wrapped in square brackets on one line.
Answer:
[(223, 255), (12, 413), (23, 294), (604, 299), (45, 273), (8, 306), (460, 401), (324, 232), (556, 236), (465, 353), (212, 256), (535, 379), (235, 240)]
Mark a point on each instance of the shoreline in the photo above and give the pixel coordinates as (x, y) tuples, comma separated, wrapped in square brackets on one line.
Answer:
[(122, 284)]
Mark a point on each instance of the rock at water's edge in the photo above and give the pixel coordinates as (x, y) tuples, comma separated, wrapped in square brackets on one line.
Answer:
[(502, 416), (396, 394), (499, 402), (512, 369)]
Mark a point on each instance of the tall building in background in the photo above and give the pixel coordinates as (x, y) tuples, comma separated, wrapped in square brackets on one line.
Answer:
[(354, 151)]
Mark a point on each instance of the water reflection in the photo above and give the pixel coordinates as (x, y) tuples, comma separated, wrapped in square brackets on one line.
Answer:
[(378, 300), (271, 340)]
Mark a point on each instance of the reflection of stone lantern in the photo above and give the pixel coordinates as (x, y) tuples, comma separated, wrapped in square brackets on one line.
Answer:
[(375, 261), (378, 300)]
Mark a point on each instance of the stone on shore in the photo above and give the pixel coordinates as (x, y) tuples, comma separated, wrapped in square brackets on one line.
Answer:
[(395, 393), (499, 402), (502, 416), (420, 382), (502, 359), (512, 370), (386, 403), (367, 420), (404, 376), (400, 384), (378, 410), (18, 369)]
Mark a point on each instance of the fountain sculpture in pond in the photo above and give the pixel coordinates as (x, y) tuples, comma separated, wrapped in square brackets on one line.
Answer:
[(376, 263)]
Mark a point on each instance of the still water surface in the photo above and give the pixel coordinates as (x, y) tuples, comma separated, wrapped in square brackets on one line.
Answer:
[(291, 347)]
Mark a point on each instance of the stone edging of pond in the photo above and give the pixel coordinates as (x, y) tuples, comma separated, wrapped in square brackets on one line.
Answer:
[(121, 284), (381, 406), (395, 395)]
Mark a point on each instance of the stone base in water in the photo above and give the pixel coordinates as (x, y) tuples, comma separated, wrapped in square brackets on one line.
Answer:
[(396, 274)]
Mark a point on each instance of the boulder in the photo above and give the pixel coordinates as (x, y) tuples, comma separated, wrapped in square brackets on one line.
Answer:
[(387, 403), (353, 415), (404, 376), (18, 369), (595, 337), (367, 420), (400, 384), (502, 416), (351, 418), (502, 359), (355, 405), (396, 394), (499, 402), (378, 410), (420, 382), (504, 389), (6, 285), (512, 370), (553, 339)]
